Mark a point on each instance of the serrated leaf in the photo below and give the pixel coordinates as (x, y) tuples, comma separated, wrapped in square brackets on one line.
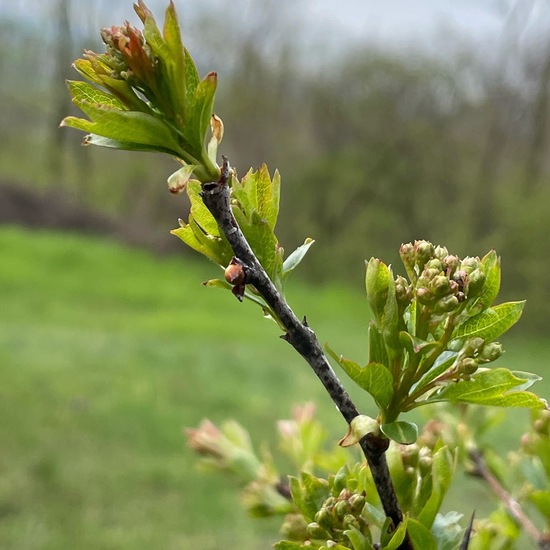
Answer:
[(420, 536), (381, 296), (491, 287), (101, 141), (174, 61), (296, 257), (308, 493), (377, 348), (256, 208), (207, 245), (392, 541), (201, 232), (491, 323), (262, 240), (358, 540), (445, 361), (82, 92), (200, 112), (402, 432), (199, 211), (124, 92), (141, 128), (375, 378), (258, 192), (495, 387)]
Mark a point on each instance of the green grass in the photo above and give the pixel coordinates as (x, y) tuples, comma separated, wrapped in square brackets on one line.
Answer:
[(106, 353)]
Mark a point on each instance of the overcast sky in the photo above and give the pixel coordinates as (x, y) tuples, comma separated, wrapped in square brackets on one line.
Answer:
[(432, 25)]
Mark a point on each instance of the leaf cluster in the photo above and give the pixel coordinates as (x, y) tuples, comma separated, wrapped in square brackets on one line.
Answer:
[(432, 337), (255, 205), (145, 94)]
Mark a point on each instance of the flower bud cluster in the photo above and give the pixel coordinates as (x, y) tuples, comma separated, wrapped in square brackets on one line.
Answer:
[(474, 353), (440, 280), (338, 514)]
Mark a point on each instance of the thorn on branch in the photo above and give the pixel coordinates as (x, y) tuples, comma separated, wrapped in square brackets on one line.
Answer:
[(304, 322), (468, 533)]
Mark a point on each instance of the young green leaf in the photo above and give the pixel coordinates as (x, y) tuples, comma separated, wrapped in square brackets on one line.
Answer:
[(296, 257), (491, 323), (377, 348), (420, 536), (392, 541), (495, 387), (258, 192), (359, 541), (491, 287), (374, 378), (256, 209), (442, 363), (401, 431), (382, 300), (308, 493), (126, 127)]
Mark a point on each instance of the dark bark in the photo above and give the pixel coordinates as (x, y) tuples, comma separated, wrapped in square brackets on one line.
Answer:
[(216, 197)]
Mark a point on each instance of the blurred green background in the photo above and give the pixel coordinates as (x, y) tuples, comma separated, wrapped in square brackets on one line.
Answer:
[(109, 346)]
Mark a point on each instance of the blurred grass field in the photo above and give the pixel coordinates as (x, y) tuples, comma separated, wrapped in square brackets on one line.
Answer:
[(107, 352)]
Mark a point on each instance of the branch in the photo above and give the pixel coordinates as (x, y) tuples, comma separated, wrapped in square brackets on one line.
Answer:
[(216, 197), (482, 471)]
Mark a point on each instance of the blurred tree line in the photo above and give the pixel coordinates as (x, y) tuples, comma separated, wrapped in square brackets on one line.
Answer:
[(375, 147)]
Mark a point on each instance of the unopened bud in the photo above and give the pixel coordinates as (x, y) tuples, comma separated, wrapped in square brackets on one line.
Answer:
[(424, 252), (407, 252), (475, 285), (441, 252), (424, 295), (323, 518), (462, 278), (446, 304), (440, 286), (315, 531), (467, 366), (342, 508), (490, 352), (350, 521), (472, 346), (409, 454), (357, 503), (450, 263), (402, 290), (434, 263), (470, 263), (425, 463)]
